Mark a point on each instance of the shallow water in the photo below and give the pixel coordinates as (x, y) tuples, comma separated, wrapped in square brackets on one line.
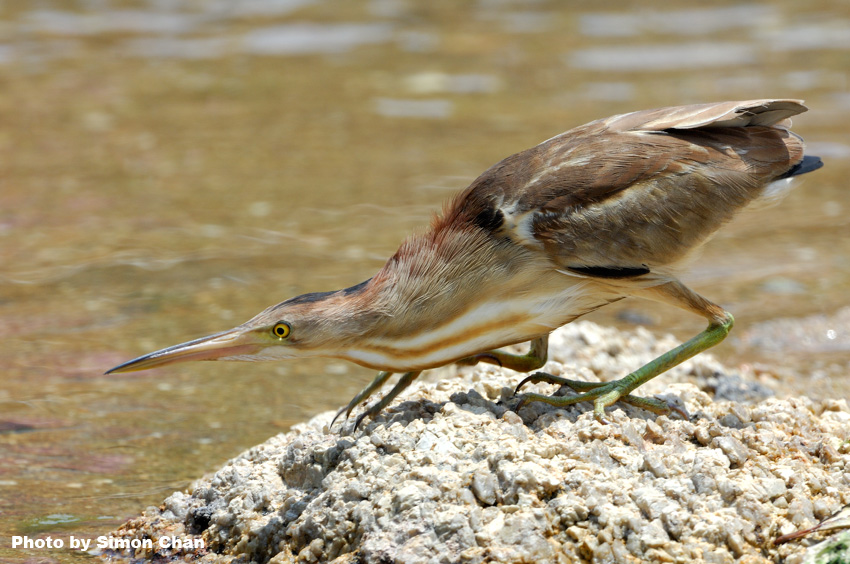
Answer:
[(170, 168)]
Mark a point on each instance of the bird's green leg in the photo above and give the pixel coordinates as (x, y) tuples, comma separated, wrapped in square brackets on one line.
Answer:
[(406, 379), (535, 357), (379, 381), (649, 404), (606, 394)]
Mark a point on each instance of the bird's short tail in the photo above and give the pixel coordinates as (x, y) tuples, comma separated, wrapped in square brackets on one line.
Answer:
[(779, 188), (808, 164)]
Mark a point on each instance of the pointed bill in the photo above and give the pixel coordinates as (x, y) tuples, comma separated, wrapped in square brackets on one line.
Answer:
[(233, 343)]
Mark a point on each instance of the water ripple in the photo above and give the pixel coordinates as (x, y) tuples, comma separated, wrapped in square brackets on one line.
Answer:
[(663, 56), (307, 38)]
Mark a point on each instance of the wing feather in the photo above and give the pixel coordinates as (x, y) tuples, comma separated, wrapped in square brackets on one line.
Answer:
[(723, 114)]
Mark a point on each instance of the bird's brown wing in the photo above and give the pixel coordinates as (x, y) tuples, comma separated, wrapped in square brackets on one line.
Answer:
[(639, 190)]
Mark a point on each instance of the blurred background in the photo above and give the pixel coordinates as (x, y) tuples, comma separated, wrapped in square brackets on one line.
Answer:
[(169, 168)]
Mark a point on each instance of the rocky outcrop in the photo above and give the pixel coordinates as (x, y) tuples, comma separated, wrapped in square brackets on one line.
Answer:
[(450, 473)]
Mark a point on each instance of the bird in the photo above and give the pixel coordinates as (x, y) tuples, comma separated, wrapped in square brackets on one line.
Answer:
[(610, 209)]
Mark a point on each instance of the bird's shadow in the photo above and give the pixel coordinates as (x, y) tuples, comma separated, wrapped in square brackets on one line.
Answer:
[(533, 414)]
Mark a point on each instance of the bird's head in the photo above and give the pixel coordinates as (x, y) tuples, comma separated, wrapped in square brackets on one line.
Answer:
[(316, 324)]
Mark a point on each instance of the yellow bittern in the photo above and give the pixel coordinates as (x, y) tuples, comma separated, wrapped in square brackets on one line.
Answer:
[(604, 211)]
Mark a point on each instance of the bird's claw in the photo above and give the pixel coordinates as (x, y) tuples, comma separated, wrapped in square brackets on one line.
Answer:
[(541, 377), (368, 412), (360, 419), (379, 405), (575, 385), (347, 410)]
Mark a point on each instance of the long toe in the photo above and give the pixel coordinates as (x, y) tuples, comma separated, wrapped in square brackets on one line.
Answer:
[(347, 410), (575, 385), (360, 419)]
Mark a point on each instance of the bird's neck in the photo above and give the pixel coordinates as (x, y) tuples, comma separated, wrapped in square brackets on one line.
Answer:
[(437, 299), (434, 275), (418, 287)]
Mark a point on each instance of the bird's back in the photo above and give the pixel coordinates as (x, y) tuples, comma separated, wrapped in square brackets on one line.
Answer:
[(637, 191)]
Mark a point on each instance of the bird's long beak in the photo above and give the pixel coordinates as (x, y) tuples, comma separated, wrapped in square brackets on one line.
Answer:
[(233, 343)]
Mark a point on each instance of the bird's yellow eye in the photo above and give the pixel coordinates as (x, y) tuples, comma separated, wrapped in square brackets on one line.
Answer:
[(281, 330)]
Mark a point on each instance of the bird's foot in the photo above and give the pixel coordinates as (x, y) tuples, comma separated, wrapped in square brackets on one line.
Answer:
[(535, 357), (406, 379), (374, 409), (375, 384), (602, 394), (605, 394)]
